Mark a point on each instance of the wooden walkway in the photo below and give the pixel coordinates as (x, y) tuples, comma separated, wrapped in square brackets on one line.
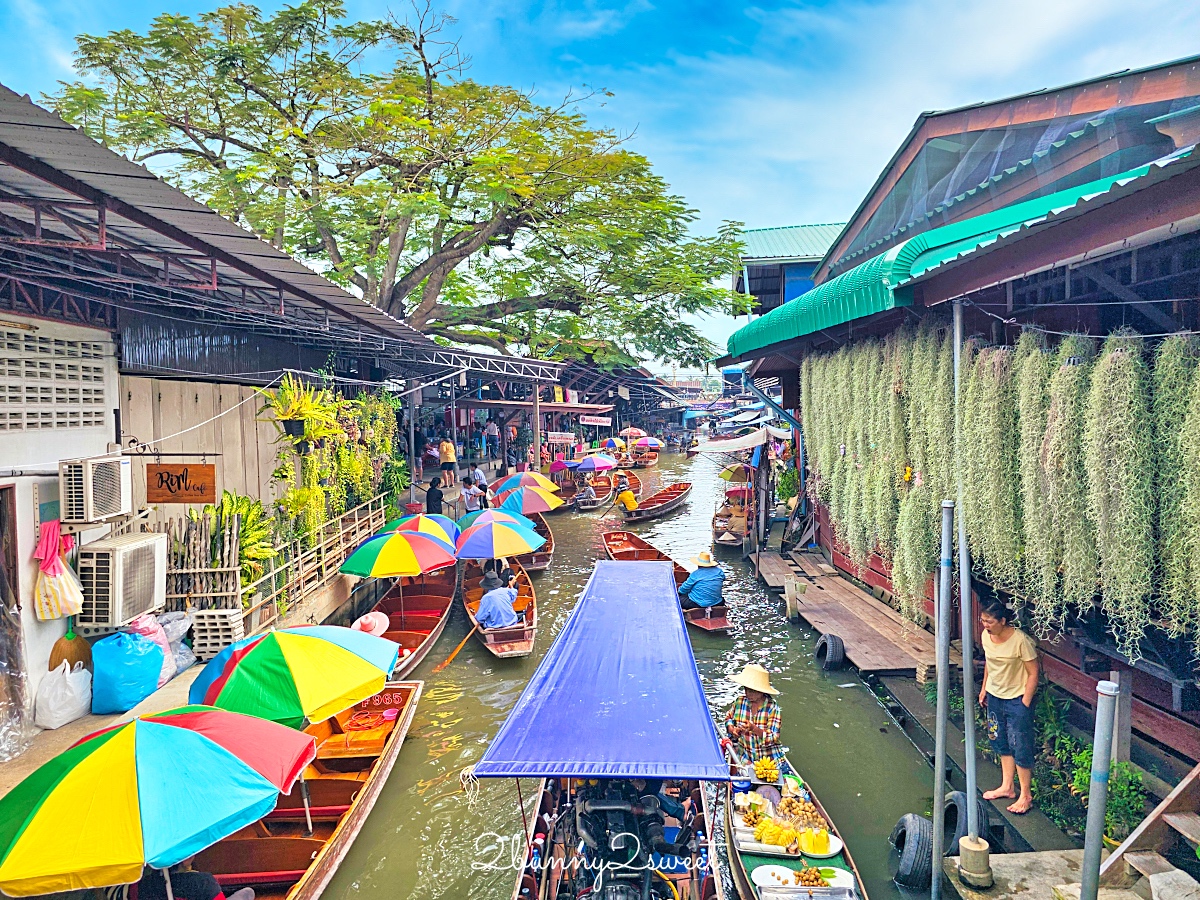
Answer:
[(876, 637)]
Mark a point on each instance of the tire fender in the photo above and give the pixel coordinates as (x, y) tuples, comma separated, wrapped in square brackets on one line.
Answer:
[(830, 652)]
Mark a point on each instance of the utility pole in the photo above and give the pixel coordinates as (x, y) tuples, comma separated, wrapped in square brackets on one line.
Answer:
[(537, 427), (412, 440)]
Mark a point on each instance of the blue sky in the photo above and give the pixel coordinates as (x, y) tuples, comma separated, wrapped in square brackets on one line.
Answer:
[(772, 114)]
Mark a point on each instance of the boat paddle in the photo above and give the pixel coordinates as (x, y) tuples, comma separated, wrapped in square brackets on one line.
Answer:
[(450, 658)]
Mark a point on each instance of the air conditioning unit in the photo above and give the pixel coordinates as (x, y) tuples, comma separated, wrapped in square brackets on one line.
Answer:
[(95, 489), (122, 578)]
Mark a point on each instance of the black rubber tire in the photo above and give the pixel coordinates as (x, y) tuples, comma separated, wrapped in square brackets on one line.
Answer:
[(956, 819), (913, 839), (830, 652)]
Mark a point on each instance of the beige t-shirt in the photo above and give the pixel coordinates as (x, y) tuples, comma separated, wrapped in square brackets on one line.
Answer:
[(1006, 663)]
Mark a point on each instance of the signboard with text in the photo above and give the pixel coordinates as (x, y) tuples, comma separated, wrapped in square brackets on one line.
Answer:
[(559, 437), (596, 420), (186, 483), (558, 394)]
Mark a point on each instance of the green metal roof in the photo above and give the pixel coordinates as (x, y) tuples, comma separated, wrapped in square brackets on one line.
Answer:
[(882, 282), (789, 242)]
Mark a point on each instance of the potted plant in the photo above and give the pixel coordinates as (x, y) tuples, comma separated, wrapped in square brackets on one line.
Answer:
[(1126, 806)]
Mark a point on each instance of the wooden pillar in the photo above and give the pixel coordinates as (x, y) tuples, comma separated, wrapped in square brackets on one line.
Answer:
[(1123, 716)]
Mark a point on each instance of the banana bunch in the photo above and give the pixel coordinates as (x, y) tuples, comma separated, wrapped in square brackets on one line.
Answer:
[(769, 831), (766, 769)]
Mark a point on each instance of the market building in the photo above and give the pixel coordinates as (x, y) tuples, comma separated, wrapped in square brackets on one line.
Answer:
[(1068, 211)]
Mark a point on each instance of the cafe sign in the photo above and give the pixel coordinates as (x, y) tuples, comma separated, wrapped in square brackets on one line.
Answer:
[(185, 483), (596, 420)]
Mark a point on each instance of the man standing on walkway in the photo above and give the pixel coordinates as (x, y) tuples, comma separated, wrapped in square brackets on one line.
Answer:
[(481, 482), (492, 431)]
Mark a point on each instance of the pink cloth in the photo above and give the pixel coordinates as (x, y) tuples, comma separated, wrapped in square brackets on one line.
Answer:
[(52, 546)]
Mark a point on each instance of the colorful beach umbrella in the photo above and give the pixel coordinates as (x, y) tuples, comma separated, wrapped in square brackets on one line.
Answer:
[(631, 432), (527, 500), (597, 462), (152, 791), (434, 524), (648, 443), (562, 465), (613, 443), (741, 490), (736, 473), (398, 554), (495, 515), (524, 479), (491, 540), (309, 672)]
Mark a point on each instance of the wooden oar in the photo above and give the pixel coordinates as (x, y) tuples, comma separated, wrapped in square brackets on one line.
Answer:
[(449, 658)]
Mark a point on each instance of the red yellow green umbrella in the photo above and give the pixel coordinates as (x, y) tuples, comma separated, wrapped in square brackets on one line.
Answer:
[(524, 479), (152, 791), (526, 500), (433, 524), (398, 554), (492, 540)]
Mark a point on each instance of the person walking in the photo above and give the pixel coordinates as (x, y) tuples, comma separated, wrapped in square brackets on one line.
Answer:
[(1010, 680), (492, 432), (433, 497), (448, 457)]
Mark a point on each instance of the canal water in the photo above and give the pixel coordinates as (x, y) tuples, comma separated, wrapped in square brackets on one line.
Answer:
[(426, 839)]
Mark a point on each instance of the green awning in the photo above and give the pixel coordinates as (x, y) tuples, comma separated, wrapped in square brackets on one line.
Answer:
[(882, 282)]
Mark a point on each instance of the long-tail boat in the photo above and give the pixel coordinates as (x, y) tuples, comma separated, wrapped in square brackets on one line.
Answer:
[(645, 460), (280, 856), (729, 522), (611, 824), (625, 545), (635, 483), (667, 500), (515, 640), (418, 609), (746, 855), (540, 558)]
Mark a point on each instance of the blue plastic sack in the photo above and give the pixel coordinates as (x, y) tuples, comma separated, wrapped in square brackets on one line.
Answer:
[(125, 672)]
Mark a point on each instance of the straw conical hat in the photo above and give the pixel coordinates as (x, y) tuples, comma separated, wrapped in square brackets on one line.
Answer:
[(756, 678)]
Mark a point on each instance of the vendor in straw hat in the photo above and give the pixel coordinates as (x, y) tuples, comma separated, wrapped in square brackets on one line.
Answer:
[(703, 586), (754, 719)]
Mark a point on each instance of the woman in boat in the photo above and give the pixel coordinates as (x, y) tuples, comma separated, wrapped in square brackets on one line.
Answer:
[(1010, 680), (626, 498), (703, 587), (585, 491), (754, 719)]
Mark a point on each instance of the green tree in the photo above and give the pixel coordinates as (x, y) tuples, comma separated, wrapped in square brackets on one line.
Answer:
[(470, 210)]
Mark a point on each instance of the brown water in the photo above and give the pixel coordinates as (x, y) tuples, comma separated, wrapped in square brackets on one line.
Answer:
[(424, 840)]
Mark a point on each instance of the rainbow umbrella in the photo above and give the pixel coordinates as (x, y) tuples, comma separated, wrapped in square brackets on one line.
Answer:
[(614, 443), (631, 432), (435, 525), (528, 500), (150, 792), (597, 462), (494, 515), (738, 472), (397, 554), (309, 672), (561, 465), (492, 540), (524, 479), (648, 443)]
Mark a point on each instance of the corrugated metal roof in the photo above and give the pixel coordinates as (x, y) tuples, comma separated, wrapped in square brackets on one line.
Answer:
[(789, 242), (884, 281)]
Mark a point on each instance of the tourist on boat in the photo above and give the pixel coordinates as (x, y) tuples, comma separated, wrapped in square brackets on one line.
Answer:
[(491, 576), (754, 719), (433, 497), (496, 606), (186, 884), (703, 587), (1010, 680), (586, 491), (470, 494), (447, 454)]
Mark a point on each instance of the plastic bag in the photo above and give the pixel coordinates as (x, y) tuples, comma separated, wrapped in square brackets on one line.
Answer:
[(175, 625), (184, 657), (56, 596), (126, 670), (64, 695), (147, 626)]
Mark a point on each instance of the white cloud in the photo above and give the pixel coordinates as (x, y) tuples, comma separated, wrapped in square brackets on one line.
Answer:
[(57, 47)]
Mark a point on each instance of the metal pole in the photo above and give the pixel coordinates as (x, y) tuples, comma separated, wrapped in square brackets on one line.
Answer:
[(454, 427), (412, 447), (964, 590), (537, 427), (1093, 843), (943, 697)]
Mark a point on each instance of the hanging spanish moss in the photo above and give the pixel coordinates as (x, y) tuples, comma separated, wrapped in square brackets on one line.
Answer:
[(1189, 451), (1174, 369), (1040, 553), (916, 551), (1120, 464)]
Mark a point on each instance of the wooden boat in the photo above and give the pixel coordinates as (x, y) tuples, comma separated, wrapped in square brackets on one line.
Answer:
[(277, 856), (624, 461), (418, 609), (635, 483), (729, 522), (516, 640), (627, 545), (742, 862), (665, 501), (645, 460), (540, 558)]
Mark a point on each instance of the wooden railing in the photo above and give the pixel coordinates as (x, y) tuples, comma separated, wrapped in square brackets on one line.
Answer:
[(298, 571)]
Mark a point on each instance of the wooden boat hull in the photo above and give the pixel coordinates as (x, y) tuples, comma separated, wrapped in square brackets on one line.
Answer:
[(645, 462), (665, 501), (738, 867), (635, 483), (627, 545), (540, 558), (418, 609), (516, 640), (276, 856)]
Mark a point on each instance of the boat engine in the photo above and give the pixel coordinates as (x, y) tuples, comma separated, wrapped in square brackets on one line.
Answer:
[(620, 827)]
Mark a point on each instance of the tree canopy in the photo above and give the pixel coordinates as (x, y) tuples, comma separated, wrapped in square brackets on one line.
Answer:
[(473, 212)]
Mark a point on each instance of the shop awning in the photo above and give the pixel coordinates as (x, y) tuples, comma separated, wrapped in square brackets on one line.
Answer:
[(882, 282), (617, 695), (733, 445)]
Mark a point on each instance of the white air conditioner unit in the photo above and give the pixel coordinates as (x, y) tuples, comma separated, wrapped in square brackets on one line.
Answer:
[(122, 578), (96, 489)]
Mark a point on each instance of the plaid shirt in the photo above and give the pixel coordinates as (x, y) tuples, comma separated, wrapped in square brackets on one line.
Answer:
[(751, 747)]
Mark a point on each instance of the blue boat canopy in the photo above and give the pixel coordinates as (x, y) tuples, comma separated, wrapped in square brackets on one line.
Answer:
[(618, 695)]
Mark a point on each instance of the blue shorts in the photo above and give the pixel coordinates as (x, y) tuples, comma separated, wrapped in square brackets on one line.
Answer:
[(1010, 729)]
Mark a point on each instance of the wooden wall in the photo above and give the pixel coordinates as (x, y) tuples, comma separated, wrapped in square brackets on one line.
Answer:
[(152, 408)]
